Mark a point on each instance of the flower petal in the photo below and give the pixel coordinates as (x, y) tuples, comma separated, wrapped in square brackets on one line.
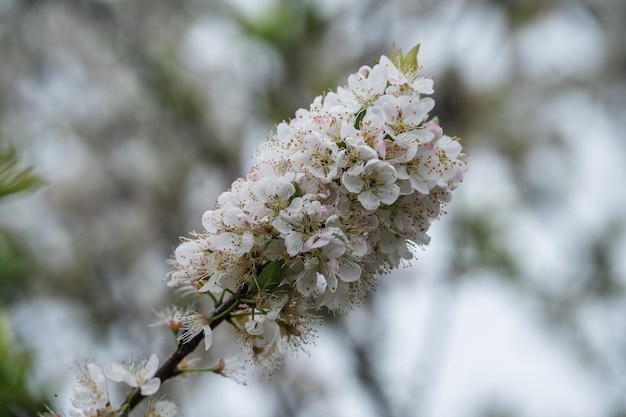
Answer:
[(152, 366), (208, 336), (116, 372), (150, 387)]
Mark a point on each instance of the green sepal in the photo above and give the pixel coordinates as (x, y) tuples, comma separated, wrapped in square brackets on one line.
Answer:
[(359, 117), (408, 61), (298, 192)]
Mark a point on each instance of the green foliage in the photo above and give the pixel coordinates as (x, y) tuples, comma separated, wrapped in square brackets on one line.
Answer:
[(481, 245), (16, 265), (175, 95), (15, 399), (14, 178), (286, 25)]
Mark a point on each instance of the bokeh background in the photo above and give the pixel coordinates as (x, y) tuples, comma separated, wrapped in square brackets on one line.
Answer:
[(138, 114)]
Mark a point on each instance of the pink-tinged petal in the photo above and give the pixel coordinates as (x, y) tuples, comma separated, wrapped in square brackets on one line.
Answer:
[(150, 387)]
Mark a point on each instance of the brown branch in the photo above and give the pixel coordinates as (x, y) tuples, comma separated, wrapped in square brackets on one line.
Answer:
[(169, 369)]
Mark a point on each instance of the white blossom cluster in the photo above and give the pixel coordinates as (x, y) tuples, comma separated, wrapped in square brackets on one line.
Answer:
[(338, 196)]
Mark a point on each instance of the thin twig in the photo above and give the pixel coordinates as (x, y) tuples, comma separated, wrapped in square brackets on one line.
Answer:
[(169, 369)]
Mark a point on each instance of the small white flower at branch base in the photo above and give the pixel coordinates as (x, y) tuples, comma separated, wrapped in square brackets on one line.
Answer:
[(138, 374), (161, 408), (91, 391)]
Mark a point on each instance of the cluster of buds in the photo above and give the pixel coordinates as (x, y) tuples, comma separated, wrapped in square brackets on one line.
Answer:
[(337, 197)]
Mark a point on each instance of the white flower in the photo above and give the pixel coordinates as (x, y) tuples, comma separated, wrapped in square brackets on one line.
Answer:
[(375, 186), (136, 374), (273, 194), (367, 84), (424, 170), (91, 391), (303, 226), (401, 82), (356, 152), (318, 157)]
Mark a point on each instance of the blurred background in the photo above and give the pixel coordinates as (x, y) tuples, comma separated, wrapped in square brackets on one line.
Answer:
[(136, 115)]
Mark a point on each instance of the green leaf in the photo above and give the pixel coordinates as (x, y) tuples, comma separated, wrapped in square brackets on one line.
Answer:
[(410, 60), (298, 192), (13, 178), (271, 276), (359, 118)]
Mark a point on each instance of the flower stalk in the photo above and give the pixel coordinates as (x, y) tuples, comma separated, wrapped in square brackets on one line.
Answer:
[(170, 369)]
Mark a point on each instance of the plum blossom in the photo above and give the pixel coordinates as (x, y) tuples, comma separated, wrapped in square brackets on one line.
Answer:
[(138, 374), (91, 391), (375, 185)]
